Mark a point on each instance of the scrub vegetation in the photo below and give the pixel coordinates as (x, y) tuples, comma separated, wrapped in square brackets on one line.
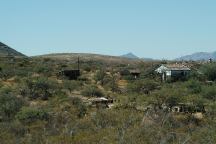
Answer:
[(39, 106)]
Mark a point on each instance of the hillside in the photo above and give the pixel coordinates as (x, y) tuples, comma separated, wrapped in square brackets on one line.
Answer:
[(199, 56), (91, 57), (106, 104), (8, 51)]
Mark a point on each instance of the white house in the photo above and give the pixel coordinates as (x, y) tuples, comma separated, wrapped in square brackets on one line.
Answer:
[(173, 71)]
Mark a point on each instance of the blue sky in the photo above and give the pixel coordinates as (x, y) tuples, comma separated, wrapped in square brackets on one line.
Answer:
[(148, 28)]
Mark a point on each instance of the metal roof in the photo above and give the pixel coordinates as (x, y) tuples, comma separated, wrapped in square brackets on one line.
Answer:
[(177, 67)]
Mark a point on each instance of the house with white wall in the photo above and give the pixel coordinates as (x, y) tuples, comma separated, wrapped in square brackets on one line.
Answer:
[(173, 71)]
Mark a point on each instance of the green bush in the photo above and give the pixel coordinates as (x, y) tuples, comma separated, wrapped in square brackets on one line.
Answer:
[(194, 86), (209, 71), (100, 75), (71, 85), (42, 88), (210, 93), (29, 115), (81, 107), (142, 86), (86, 67), (9, 106), (92, 91)]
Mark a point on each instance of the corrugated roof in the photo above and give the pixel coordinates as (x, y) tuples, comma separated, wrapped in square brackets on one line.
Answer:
[(135, 71), (177, 67)]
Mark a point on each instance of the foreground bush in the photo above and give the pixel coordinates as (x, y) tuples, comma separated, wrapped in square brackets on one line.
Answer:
[(29, 115), (9, 106), (143, 86), (42, 88)]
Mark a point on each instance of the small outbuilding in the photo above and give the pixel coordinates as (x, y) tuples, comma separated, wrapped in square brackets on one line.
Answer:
[(173, 71), (135, 73), (132, 72), (70, 74)]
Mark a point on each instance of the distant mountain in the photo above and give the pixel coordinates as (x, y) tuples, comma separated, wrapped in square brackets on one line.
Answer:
[(8, 51), (199, 56), (130, 56), (149, 59)]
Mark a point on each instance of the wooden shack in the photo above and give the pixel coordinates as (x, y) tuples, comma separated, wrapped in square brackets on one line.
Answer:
[(135, 73), (71, 74), (132, 72)]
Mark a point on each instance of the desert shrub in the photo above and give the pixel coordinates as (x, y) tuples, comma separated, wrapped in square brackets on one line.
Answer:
[(194, 86), (209, 71), (110, 82), (211, 110), (9, 106), (103, 119), (5, 90), (29, 115), (142, 86), (71, 85), (125, 72), (173, 100), (40, 88), (6, 73), (43, 69), (80, 106), (86, 67), (92, 91), (196, 75), (129, 77), (100, 75), (83, 78), (209, 93)]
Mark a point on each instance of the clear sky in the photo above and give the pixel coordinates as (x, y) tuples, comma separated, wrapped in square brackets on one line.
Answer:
[(148, 28)]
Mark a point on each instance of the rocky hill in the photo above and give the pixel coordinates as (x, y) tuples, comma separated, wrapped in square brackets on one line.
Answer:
[(8, 51), (130, 56)]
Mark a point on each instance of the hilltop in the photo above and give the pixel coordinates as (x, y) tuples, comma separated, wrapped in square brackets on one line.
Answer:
[(199, 56), (91, 57), (8, 51), (130, 56)]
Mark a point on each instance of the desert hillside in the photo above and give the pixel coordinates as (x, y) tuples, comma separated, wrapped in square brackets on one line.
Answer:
[(47, 99), (8, 51)]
